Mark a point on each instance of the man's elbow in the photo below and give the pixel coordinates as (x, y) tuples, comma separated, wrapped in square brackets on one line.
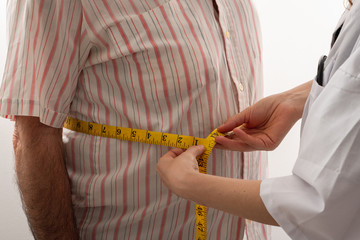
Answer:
[(31, 135), (32, 131)]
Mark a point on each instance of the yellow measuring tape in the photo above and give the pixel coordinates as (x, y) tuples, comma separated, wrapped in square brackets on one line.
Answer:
[(158, 138)]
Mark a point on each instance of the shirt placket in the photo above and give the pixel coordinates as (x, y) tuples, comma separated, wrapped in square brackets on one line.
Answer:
[(235, 65)]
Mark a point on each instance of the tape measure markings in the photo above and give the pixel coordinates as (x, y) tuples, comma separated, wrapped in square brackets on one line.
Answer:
[(157, 138)]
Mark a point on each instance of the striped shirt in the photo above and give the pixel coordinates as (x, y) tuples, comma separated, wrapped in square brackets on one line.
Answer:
[(176, 66)]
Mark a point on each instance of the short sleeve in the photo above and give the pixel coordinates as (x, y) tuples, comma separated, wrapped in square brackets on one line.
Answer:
[(321, 199), (43, 59)]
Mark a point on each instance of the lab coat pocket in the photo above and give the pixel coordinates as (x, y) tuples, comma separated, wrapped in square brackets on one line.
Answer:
[(331, 133), (316, 90)]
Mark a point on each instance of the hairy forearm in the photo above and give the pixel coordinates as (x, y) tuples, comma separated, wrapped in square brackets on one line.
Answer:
[(43, 179), (235, 196)]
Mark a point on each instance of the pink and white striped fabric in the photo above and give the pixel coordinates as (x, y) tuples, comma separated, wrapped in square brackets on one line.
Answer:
[(177, 66)]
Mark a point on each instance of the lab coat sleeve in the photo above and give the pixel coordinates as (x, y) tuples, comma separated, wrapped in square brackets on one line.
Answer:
[(321, 199)]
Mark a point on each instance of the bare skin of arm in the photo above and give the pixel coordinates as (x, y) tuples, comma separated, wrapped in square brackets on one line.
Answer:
[(259, 127), (179, 171), (264, 125), (43, 180)]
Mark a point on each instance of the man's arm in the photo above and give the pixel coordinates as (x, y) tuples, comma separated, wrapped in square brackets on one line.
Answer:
[(43, 179)]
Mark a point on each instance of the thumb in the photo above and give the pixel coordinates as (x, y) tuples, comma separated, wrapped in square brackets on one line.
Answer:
[(196, 150), (234, 121), (173, 153)]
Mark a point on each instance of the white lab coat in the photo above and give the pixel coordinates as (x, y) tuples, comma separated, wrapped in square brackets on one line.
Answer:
[(321, 199)]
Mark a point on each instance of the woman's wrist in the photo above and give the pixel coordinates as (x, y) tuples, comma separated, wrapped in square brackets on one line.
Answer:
[(235, 196), (186, 187), (296, 98)]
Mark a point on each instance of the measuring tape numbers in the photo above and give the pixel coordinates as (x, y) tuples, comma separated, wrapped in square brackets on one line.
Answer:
[(158, 138)]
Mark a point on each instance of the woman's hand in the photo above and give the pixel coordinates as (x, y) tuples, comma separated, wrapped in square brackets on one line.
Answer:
[(264, 125), (180, 173), (177, 167)]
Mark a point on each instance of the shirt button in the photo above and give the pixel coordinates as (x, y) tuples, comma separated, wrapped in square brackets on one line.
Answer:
[(227, 33), (241, 87)]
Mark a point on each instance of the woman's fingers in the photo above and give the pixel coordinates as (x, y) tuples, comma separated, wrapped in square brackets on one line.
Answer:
[(195, 150), (241, 141), (233, 122), (173, 153)]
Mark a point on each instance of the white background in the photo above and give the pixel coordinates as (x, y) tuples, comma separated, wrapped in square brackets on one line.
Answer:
[(295, 35)]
